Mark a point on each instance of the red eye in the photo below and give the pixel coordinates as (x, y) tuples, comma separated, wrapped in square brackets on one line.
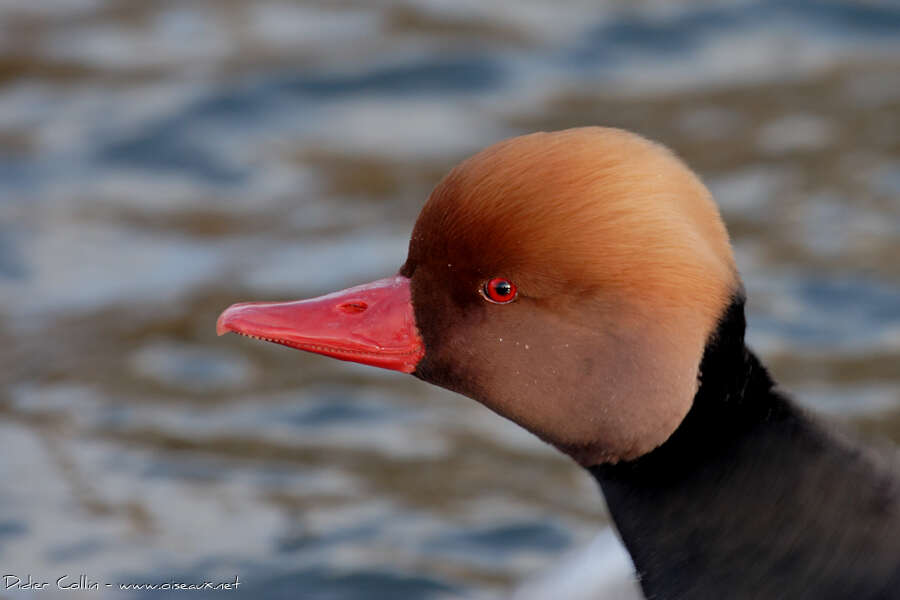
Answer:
[(499, 290)]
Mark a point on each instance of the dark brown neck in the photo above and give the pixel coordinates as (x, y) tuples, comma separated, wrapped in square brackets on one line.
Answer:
[(750, 498)]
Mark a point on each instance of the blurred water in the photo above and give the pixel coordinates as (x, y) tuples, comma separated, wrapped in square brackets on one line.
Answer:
[(160, 160)]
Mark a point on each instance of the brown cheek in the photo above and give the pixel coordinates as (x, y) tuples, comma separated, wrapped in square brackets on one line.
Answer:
[(609, 391), (440, 317), (599, 396)]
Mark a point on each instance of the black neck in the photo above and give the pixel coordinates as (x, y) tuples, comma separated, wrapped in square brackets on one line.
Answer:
[(750, 498)]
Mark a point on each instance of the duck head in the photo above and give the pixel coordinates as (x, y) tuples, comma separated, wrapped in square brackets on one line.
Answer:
[(569, 281)]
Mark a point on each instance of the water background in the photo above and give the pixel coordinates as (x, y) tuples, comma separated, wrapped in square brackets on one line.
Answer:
[(160, 160)]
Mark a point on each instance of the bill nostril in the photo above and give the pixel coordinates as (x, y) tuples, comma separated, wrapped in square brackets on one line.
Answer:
[(355, 306)]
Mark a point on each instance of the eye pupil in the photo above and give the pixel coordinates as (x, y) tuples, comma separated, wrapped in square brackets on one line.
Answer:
[(500, 290)]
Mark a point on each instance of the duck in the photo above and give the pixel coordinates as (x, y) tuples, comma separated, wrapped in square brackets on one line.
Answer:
[(582, 284)]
